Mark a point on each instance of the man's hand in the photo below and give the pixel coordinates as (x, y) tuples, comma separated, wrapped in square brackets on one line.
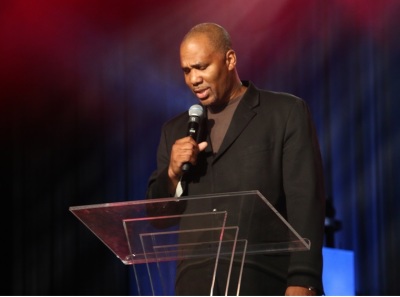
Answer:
[(299, 291), (184, 150)]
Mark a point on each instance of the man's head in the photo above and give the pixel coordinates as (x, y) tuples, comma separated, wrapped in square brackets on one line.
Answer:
[(209, 64)]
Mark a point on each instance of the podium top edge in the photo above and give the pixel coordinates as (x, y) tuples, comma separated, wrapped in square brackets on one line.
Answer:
[(166, 199)]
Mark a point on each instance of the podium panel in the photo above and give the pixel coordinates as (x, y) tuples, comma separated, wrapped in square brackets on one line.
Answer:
[(208, 231)]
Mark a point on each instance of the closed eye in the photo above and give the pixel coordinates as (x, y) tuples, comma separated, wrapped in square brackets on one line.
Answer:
[(199, 66)]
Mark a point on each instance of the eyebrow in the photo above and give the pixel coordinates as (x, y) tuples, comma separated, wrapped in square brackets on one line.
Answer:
[(195, 66)]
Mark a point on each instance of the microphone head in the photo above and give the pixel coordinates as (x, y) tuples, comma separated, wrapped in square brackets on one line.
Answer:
[(196, 110)]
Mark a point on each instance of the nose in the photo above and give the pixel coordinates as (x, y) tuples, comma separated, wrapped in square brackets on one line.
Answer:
[(194, 77)]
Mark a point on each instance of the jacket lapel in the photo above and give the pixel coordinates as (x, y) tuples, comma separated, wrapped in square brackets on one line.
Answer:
[(243, 115)]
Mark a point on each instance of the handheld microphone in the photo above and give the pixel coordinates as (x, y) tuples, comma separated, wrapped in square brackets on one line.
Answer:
[(195, 117)]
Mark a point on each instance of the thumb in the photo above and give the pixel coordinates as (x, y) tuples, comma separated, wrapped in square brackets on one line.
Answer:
[(202, 146)]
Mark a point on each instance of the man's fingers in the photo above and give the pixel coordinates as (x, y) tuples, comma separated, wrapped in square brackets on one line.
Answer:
[(202, 146)]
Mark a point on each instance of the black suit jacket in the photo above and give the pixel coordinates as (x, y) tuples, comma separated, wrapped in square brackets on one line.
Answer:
[(270, 146)]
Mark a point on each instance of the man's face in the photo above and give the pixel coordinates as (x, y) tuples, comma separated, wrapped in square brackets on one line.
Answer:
[(206, 70)]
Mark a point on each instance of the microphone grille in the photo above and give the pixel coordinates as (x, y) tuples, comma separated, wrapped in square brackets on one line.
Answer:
[(196, 110)]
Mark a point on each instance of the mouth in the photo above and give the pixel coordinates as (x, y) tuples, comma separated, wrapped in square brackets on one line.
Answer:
[(201, 93)]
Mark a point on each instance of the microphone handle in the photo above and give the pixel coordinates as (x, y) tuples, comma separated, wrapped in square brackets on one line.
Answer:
[(186, 167), (193, 128), (193, 133)]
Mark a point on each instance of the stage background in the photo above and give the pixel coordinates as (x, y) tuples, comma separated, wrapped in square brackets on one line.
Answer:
[(86, 85)]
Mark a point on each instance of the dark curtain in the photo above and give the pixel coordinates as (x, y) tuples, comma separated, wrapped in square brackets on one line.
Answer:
[(86, 85)]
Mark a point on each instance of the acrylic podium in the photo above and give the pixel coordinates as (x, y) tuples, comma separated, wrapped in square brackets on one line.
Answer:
[(219, 230)]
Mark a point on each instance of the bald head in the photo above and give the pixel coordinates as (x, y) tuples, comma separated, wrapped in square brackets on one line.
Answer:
[(217, 35)]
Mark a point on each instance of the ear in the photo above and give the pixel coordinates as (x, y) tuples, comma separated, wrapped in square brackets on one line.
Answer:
[(231, 59)]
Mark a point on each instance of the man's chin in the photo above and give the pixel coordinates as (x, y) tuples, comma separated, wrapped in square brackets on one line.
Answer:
[(206, 101)]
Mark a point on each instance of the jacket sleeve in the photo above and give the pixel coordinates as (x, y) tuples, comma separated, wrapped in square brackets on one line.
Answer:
[(305, 196), (157, 186)]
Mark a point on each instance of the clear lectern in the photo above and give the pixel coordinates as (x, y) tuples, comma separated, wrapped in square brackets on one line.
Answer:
[(160, 234)]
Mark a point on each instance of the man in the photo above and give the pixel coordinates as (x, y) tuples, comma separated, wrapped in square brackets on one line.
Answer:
[(254, 140)]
